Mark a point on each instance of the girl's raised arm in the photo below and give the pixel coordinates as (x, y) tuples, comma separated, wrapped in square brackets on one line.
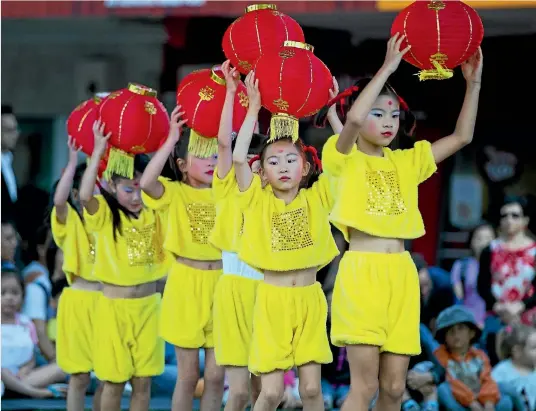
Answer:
[(149, 180), (63, 189), (87, 186), (465, 126), (361, 108), (244, 175), (333, 119), (225, 154)]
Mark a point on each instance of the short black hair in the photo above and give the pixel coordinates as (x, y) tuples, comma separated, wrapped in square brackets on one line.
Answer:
[(7, 109)]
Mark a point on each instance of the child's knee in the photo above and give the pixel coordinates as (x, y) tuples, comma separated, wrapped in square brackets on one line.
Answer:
[(393, 388), (80, 381), (273, 394), (141, 385), (366, 388), (309, 389), (214, 375), (239, 394)]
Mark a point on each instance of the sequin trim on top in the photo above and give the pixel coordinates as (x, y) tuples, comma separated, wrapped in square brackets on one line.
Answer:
[(290, 231), (141, 246), (202, 217), (384, 197)]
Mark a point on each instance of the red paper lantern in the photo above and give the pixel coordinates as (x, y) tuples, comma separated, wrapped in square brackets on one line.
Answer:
[(442, 35), (293, 83), (139, 123), (80, 124), (262, 28), (201, 95)]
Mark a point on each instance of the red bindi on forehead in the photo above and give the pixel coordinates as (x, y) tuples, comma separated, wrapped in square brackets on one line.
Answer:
[(135, 185), (390, 102), (280, 150)]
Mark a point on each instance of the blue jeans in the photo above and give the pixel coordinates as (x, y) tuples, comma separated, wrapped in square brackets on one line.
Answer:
[(164, 384), (334, 396), (447, 400)]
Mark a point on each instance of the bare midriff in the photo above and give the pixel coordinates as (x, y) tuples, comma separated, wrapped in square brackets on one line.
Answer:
[(80, 283), (296, 278), (200, 264), (360, 241), (132, 291)]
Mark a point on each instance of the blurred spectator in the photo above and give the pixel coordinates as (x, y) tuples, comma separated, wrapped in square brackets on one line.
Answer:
[(38, 293), (9, 244), (20, 375), (10, 136), (507, 280), (464, 273), (335, 377), (516, 373)]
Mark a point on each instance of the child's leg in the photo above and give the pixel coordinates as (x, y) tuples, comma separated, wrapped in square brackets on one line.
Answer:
[(188, 369), (310, 387), (393, 371), (364, 361), (97, 398), (255, 389), (111, 395), (43, 376), (76, 395), (272, 389), (446, 398), (141, 393), (238, 378), (213, 377)]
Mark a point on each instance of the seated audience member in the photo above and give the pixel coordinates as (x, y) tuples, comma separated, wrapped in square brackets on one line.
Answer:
[(467, 370), (516, 373), (9, 244), (464, 273), (20, 375), (421, 380)]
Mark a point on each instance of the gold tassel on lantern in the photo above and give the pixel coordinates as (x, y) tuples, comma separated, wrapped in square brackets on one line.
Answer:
[(202, 147), (284, 126), (121, 163), (439, 72)]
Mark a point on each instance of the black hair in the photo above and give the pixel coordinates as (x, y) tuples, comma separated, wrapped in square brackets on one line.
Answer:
[(511, 336), (13, 272), (419, 261), (257, 145), (140, 163), (7, 109), (520, 200), (77, 179), (51, 257), (345, 100), (39, 238), (304, 151), (472, 233)]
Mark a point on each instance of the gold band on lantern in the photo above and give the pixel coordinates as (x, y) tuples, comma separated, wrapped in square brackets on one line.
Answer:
[(217, 79), (142, 90), (298, 45), (257, 7)]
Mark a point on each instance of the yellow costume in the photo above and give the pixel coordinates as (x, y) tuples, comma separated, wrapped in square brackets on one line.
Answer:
[(126, 340), (376, 299), (289, 322), (75, 319), (186, 318), (234, 298)]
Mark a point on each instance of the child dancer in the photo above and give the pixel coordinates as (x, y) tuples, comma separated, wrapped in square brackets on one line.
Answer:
[(129, 259), (186, 320), (234, 297), (75, 325), (289, 323), (375, 308)]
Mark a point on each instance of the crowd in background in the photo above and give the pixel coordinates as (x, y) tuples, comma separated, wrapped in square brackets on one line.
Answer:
[(484, 308)]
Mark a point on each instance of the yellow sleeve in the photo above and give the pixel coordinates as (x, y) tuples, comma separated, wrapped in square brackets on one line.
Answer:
[(222, 187), (333, 161), (163, 202), (59, 230), (251, 196), (421, 160), (322, 189), (96, 221)]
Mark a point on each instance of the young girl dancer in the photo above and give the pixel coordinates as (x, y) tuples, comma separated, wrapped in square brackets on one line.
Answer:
[(234, 297), (289, 323), (129, 259), (75, 321), (375, 307), (186, 319)]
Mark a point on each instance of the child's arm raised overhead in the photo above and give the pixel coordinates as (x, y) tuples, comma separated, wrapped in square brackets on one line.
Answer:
[(361, 108), (333, 119), (244, 175), (63, 189), (87, 186), (225, 154), (149, 180), (465, 126)]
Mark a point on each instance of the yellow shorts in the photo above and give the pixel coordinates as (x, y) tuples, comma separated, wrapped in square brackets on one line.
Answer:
[(126, 340), (234, 300), (74, 330), (186, 319), (376, 301), (289, 328)]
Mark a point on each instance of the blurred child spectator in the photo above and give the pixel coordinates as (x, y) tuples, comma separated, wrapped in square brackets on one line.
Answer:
[(20, 375), (516, 373), (468, 384), (10, 242), (464, 273), (38, 293)]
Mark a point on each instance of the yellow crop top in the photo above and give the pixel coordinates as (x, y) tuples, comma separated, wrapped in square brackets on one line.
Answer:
[(280, 237), (191, 214), (77, 244), (136, 256), (378, 195), (229, 217)]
